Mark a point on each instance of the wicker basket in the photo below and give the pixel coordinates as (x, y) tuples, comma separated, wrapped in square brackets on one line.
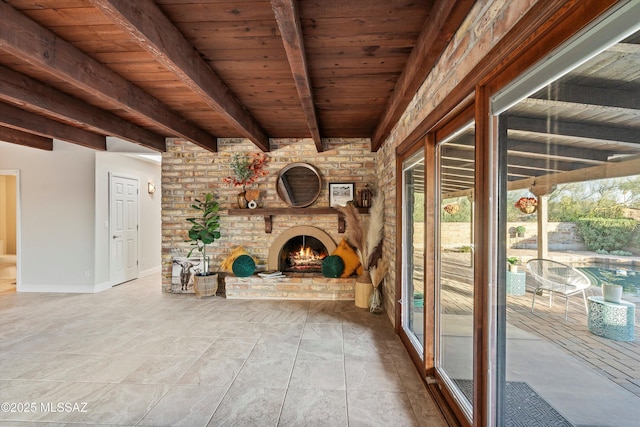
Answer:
[(205, 286)]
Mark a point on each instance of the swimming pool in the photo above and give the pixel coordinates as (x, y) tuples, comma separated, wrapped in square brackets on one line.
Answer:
[(628, 277)]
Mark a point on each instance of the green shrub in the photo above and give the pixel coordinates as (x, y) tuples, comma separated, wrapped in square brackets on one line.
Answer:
[(621, 253), (607, 234)]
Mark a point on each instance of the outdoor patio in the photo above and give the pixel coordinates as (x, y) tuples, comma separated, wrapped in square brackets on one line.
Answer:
[(588, 379)]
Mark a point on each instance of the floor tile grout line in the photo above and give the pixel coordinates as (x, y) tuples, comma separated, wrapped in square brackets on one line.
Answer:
[(344, 368), (284, 399)]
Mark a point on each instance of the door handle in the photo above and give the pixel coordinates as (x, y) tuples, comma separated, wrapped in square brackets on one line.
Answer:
[(115, 236)]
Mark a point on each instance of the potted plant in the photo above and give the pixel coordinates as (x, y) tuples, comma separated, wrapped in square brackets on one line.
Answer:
[(520, 230), (247, 168), (205, 229), (513, 264), (611, 292), (527, 205)]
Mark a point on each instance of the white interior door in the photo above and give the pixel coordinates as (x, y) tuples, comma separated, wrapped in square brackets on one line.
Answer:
[(123, 226)]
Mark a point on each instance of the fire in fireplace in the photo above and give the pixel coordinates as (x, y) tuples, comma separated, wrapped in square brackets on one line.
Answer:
[(302, 254)]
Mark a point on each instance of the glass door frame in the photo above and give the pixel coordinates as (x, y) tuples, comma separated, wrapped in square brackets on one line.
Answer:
[(448, 130), (496, 97), (543, 29), (407, 250), (424, 361)]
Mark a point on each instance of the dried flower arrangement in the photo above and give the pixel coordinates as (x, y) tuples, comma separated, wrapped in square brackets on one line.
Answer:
[(247, 168), (365, 237)]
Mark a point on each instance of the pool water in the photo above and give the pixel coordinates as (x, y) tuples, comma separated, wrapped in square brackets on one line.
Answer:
[(628, 278)]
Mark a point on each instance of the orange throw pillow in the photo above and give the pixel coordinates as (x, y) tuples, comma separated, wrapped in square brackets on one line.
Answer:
[(349, 256)]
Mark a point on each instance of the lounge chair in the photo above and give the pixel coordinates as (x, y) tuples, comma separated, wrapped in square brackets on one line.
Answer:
[(558, 278)]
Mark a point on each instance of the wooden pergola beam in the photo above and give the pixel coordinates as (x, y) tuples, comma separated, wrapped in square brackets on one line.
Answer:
[(145, 23), (588, 94), (18, 137), (581, 130), (438, 30), (22, 90), (26, 39), (286, 13), (25, 121), (610, 170)]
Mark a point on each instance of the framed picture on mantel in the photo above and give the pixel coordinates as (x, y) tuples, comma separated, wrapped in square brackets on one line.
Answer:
[(340, 193)]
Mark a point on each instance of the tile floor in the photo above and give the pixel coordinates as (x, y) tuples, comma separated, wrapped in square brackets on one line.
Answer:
[(133, 355)]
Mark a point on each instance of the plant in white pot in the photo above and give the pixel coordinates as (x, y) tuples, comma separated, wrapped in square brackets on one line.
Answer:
[(205, 229), (611, 291), (513, 264)]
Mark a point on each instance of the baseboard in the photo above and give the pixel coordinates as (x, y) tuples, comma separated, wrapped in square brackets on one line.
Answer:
[(150, 271), (66, 289), (102, 287)]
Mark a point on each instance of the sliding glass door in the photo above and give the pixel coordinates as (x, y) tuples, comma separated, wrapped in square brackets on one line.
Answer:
[(569, 175), (454, 264)]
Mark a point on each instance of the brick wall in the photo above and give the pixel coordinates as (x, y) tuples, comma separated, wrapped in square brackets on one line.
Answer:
[(485, 25), (188, 172)]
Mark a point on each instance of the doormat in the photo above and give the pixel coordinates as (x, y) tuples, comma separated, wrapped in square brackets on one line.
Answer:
[(523, 406)]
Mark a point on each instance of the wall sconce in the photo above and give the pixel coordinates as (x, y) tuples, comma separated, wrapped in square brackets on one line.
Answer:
[(151, 187)]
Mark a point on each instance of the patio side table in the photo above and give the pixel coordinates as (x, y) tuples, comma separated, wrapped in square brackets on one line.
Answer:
[(516, 283), (611, 320)]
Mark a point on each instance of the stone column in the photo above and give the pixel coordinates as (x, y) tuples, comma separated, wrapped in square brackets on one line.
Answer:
[(542, 194)]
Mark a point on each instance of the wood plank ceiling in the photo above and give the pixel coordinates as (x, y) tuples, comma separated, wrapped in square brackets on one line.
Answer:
[(583, 126), (81, 70)]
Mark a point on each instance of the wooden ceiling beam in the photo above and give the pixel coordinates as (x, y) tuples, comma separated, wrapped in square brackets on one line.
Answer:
[(18, 137), (286, 12), (24, 38), (19, 89), (153, 31), (445, 18), (25, 121)]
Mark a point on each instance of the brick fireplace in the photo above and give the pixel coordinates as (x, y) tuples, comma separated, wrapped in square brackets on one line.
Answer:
[(302, 283), (189, 171)]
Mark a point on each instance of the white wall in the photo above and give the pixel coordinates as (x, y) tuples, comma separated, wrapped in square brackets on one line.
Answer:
[(150, 233), (64, 205), (57, 216)]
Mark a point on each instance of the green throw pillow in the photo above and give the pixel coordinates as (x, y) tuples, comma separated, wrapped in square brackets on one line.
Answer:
[(244, 266), (332, 266)]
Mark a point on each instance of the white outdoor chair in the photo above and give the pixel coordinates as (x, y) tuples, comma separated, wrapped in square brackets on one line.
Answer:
[(558, 278)]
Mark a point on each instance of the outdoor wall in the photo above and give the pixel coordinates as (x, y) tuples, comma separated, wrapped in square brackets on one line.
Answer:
[(189, 172), (57, 216), (561, 235), (484, 27)]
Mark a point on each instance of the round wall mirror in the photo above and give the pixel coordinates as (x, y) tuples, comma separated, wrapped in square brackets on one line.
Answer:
[(299, 184)]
